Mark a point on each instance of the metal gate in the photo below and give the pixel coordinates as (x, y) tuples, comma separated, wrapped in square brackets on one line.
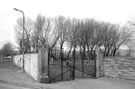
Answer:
[(62, 67)]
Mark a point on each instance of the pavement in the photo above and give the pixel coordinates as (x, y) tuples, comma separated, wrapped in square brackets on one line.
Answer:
[(11, 77), (101, 83)]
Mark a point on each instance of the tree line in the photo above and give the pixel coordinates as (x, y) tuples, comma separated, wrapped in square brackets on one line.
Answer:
[(7, 50), (82, 34)]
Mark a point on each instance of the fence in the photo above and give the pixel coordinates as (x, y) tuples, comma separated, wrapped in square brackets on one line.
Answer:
[(68, 67), (41, 66)]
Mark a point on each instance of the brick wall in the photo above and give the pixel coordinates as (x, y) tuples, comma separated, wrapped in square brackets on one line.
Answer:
[(119, 67)]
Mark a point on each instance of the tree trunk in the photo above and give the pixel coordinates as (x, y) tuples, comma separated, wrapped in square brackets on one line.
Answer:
[(69, 52), (105, 50), (114, 52), (91, 53), (88, 52)]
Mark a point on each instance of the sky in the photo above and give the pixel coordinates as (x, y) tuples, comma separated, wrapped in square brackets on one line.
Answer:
[(113, 11)]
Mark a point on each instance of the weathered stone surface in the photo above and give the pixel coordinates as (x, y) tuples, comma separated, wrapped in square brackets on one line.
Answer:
[(44, 79), (119, 68)]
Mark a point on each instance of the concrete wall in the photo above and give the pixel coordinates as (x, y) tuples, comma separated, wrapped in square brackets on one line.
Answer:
[(17, 60), (120, 67), (30, 64)]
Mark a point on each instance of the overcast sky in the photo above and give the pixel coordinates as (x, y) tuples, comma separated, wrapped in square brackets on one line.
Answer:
[(113, 11)]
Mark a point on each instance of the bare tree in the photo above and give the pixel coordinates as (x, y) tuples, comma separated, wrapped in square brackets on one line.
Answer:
[(73, 35), (109, 38), (27, 34), (62, 26), (7, 49), (37, 32), (124, 35), (86, 39), (43, 28)]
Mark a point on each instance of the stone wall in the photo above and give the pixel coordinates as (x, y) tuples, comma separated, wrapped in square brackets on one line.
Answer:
[(99, 62), (30, 64), (119, 68)]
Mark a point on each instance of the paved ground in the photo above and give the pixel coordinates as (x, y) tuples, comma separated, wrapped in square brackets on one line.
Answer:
[(102, 83), (11, 77)]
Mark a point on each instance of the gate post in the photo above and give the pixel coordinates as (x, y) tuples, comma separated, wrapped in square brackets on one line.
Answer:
[(99, 62), (74, 64), (61, 57), (43, 66)]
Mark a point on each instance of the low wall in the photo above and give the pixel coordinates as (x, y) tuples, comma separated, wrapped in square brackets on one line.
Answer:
[(119, 68), (30, 64)]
